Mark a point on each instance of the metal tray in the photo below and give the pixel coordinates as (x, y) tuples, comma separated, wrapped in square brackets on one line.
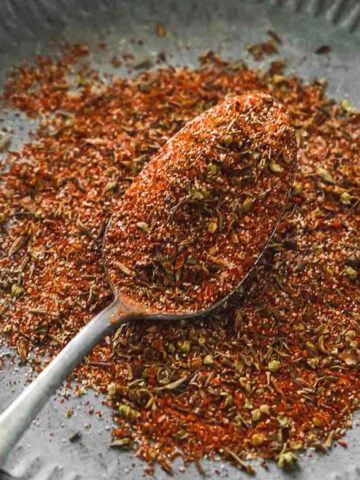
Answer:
[(32, 27)]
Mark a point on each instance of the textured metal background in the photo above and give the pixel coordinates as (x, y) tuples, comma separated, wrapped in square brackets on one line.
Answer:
[(32, 27)]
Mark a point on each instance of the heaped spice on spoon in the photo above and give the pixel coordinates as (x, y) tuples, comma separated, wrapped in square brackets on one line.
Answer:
[(195, 220), (267, 378)]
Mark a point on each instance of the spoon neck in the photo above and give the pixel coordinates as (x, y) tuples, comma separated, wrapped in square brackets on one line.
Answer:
[(128, 308)]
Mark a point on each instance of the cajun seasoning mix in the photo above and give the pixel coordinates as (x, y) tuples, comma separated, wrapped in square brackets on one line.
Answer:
[(195, 220), (267, 377)]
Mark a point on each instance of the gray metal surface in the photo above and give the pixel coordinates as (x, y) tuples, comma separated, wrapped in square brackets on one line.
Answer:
[(32, 27)]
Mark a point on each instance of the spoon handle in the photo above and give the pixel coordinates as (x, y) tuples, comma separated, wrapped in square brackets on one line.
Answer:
[(19, 415)]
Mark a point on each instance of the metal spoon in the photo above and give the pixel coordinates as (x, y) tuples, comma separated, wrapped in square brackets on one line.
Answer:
[(19, 415)]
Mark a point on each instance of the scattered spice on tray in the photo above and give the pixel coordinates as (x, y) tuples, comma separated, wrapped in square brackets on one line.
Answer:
[(268, 377), (194, 222), (259, 50), (161, 30), (323, 49)]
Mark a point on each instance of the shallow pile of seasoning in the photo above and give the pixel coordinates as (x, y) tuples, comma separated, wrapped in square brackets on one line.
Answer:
[(192, 224), (274, 374)]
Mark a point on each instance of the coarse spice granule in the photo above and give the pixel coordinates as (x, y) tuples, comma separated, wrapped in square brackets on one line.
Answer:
[(198, 216), (266, 378)]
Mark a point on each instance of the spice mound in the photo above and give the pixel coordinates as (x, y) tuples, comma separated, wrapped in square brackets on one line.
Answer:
[(196, 219)]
